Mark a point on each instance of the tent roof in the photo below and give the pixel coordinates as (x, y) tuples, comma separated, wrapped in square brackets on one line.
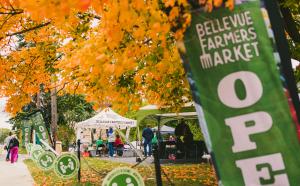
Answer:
[(151, 112), (165, 129), (149, 107), (105, 119), (183, 114), (155, 107)]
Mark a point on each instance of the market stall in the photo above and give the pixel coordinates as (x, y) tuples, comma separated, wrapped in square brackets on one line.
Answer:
[(93, 128), (161, 118)]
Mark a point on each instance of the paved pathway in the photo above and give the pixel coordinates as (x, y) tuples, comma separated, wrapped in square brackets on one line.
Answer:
[(15, 174)]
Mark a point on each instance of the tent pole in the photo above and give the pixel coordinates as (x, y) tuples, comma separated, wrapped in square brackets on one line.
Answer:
[(124, 137), (128, 132), (138, 136)]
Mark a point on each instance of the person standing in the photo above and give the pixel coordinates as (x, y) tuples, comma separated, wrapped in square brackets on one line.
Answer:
[(6, 142), (111, 140), (99, 145), (14, 149), (148, 135)]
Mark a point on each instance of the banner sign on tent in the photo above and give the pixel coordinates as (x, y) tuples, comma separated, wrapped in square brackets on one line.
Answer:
[(39, 126), (231, 63), (26, 132)]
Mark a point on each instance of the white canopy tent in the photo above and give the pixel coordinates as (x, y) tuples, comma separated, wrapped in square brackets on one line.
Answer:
[(105, 119)]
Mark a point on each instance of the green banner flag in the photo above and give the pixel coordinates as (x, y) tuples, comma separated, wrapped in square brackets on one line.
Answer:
[(232, 67), (26, 132), (39, 126)]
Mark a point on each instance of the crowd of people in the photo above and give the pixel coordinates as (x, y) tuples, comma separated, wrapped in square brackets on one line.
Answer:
[(112, 144), (182, 141), (11, 145)]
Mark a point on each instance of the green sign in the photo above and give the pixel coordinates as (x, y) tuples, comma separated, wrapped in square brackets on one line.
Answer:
[(231, 65), (26, 132), (39, 126), (36, 152), (66, 165), (46, 160), (123, 176)]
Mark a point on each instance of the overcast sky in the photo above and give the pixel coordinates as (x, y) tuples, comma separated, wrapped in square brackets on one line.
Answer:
[(3, 115)]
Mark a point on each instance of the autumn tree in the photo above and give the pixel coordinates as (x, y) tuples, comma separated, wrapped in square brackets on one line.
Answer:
[(117, 52), (129, 64)]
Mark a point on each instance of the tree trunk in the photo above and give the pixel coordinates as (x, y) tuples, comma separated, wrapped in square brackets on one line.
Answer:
[(54, 115), (38, 100)]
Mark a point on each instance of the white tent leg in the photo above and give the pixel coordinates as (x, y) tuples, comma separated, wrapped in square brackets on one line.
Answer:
[(78, 134), (127, 132), (138, 137)]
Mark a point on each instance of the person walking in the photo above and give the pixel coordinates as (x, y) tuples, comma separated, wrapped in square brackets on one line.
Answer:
[(111, 140), (6, 143), (148, 135), (14, 149)]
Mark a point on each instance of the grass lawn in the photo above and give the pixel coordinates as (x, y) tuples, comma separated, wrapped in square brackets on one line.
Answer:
[(189, 174), (22, 150)]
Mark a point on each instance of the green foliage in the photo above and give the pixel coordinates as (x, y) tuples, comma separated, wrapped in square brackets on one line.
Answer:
[(73, 108), (3, 134), (297, 77), (70, 109), (294, 46), (295, 49), (195, 128), (294, 7), (66, 134)]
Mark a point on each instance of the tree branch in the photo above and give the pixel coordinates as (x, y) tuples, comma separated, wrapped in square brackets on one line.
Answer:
[(64, 85), (80, 15), (14, 12), (26, 30)]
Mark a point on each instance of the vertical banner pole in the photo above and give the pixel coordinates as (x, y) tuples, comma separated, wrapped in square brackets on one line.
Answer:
[(156, 151), (285, 56), (78, 155)]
